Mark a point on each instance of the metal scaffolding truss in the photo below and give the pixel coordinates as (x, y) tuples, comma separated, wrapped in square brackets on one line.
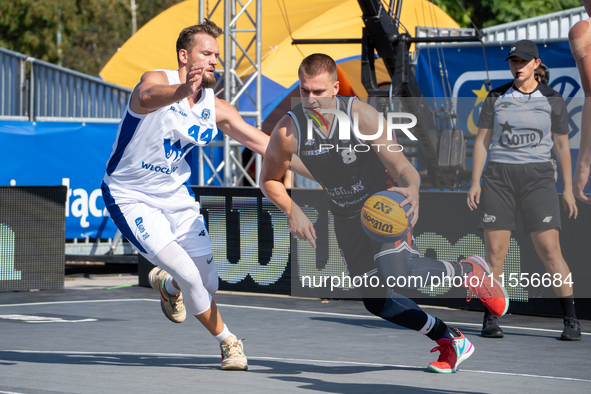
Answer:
[(248, 15)]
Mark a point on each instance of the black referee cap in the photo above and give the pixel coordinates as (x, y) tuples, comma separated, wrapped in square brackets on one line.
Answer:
[(524, 49)]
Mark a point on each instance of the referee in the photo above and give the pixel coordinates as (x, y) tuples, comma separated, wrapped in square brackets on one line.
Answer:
[(520, 123)]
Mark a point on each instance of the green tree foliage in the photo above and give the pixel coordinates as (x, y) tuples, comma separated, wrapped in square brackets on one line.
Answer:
[(487, 13), (91, 30), (30, 27), (104, 28)]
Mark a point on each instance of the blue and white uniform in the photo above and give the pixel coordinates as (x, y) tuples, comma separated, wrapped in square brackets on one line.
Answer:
[(146, 193), (148, 155)]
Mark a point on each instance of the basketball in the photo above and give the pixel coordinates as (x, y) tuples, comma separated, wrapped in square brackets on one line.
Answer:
[(383, 219)]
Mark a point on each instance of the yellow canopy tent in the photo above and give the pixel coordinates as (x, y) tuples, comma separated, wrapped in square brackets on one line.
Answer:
[(153, 46)]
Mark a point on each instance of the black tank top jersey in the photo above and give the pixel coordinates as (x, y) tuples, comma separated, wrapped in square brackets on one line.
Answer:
[(348, 177)]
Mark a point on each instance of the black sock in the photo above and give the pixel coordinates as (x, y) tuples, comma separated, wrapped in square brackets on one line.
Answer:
[(568, 306), (457, 268), (440, 330), (462, 268), (466, 268)]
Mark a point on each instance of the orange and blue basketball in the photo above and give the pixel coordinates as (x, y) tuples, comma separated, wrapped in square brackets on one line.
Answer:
[(383, 219)]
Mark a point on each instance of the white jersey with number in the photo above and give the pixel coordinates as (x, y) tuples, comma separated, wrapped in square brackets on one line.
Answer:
[(148, 158)]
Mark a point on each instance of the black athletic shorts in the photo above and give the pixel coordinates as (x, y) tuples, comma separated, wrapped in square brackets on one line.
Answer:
[(529, 188), (355, 245), (358, 251)]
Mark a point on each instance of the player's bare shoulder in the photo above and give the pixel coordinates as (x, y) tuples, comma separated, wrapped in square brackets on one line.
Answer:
[(281, 141), (368, 117), (287, 127), (149, 79), (157, 76), (286, 130), (139, 94), (364, 110), (221, 106), (225, 114)]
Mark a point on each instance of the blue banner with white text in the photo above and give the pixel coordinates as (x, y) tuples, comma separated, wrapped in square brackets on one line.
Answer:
[(70, 154)]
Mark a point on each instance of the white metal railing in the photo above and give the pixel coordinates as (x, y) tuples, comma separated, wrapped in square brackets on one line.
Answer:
[(34, 90), (554, 25)]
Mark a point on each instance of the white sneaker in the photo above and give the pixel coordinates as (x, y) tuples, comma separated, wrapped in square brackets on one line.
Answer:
[(233, 357), (172, 306)]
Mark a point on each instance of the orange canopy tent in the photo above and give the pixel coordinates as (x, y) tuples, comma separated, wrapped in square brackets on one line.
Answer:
[(153, 46)]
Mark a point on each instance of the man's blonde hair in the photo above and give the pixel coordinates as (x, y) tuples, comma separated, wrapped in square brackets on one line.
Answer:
[(316, 64), (187, 38)]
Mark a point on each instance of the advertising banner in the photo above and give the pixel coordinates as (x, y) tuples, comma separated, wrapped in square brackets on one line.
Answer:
[(74, 155), (251, 245)]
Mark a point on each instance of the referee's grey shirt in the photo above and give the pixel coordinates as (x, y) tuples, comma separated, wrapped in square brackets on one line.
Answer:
[(523, 123)]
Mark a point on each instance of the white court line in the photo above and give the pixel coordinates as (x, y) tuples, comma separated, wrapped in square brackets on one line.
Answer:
[(79, 302), (379, 318), (299, 360), (278, 310)]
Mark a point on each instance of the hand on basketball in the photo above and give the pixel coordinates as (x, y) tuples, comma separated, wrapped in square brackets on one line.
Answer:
[(474, 197), (301, 226), (412, 199), (580, 182)]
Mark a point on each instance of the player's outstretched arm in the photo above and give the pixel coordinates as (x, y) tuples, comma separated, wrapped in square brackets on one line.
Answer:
[(231, 123), (277, 161), (154, 92)]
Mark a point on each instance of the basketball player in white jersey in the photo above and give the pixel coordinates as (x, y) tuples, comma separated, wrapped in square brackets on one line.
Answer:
[(145, 187)]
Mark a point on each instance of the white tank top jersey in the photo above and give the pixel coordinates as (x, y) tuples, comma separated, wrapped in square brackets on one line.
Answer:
[(149, 153)]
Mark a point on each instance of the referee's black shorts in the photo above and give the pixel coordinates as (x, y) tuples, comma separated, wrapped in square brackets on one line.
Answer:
[(529, 188)]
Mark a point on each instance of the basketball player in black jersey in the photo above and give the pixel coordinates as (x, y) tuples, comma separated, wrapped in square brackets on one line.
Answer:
[(349, 178)]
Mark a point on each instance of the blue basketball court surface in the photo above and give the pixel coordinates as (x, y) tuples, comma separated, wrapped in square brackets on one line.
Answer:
[(108, 335)]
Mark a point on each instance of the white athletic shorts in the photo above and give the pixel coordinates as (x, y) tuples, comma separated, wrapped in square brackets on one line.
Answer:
[(157, 220)]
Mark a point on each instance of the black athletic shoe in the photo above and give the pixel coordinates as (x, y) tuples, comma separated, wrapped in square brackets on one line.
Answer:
[(490, 327), (572, 330)]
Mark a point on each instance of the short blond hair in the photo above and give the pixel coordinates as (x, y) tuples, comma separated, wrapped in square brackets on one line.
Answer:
[(187, 39), (316, 64)]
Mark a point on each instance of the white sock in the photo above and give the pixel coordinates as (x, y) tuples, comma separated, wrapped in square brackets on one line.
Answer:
[(169, 287), (221, 337)]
